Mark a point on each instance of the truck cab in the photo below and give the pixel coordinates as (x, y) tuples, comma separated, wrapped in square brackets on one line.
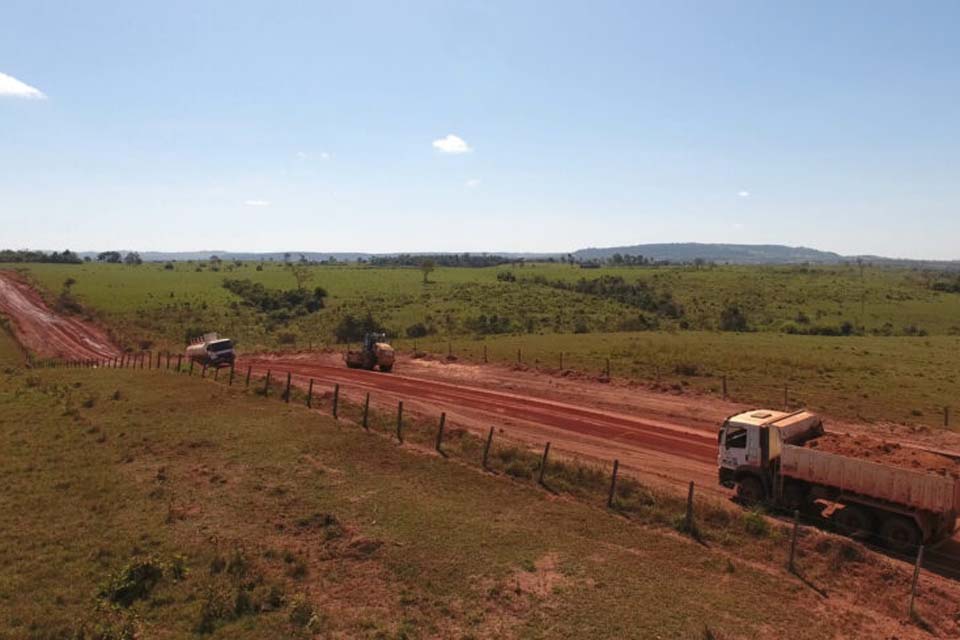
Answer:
[(212, 350), (749, 446)]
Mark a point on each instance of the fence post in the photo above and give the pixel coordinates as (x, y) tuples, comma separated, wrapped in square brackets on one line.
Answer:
[(336, 400), (159, 353), (543, 463), (916, 577), (203, 372), (688, 521), (149, 360), (310, 394), (608, 367), (449, 349), (168, 360), (561, 361), (366, 411), (179, 361), (249, 368), (231, 374), (486, 448), (791, 566), (519, 356), (190, 372), (286, 392), (143, 357), (484, 354), (400, 422), (266, 384), (786, 398), (443, 420), (613, 484)]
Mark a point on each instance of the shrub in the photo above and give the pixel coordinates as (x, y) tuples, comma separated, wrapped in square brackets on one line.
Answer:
[(352, 329), (733, 319), (132, 582), (277, 304), (417, 330), (506, 276)]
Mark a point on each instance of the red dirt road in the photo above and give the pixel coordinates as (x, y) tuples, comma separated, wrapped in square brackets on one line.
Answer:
[(44, 333)]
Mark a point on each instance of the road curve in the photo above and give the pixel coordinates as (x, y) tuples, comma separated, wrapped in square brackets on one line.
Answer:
[(42, 331)]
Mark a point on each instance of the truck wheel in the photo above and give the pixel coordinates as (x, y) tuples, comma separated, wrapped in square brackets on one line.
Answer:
[(854, 521), (750, 490), (386, 368), (900, 534)]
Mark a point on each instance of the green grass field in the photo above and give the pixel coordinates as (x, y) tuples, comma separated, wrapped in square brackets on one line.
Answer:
[(892, 376), (10, 353), (150, 504)]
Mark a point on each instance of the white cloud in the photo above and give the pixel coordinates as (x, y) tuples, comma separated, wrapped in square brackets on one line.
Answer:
[(257, 203), (323, 155), (301, 154), (452, 144), (472, 183), (10, 86), (743, 194)]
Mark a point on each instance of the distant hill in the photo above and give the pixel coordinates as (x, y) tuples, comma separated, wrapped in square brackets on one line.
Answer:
[(722, 253)]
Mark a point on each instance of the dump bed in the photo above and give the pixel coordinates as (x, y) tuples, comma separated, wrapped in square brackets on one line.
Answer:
[(912, 489)]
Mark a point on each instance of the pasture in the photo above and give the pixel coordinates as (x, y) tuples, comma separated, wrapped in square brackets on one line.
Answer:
[(898, 363)]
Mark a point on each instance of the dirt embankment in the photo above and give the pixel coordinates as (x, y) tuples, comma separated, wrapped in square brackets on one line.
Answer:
[(45, 333), (886, 452)]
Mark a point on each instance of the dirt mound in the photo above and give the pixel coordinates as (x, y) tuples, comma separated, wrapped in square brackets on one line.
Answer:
[(886, 452)]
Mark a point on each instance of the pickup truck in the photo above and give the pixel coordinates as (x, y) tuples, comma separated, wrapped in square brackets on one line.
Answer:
[(762, 454)]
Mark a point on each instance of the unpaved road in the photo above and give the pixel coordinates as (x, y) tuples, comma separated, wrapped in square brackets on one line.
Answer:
[(45, 333), (668, 437)]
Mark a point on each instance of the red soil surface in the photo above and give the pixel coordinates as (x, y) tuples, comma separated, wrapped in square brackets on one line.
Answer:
[(886, 452), (44, 333)]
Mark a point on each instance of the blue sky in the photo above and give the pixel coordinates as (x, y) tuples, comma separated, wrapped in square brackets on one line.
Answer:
[(312, 126)]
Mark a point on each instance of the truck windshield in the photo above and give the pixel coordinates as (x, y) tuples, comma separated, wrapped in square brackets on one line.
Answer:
[(220, 345), (736, 439)]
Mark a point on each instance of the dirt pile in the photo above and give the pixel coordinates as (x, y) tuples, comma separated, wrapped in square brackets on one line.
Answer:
[(886, 452)]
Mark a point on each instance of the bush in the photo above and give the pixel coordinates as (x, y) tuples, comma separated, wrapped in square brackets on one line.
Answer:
[(133, 582), (506, 276), (418, 330), (352, 329), (733, 319), (277, 304)]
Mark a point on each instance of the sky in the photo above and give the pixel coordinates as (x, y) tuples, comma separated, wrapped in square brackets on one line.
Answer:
[(479, 126)]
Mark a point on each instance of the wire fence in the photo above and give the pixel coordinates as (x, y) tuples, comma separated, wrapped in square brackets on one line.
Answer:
[(494, 451)]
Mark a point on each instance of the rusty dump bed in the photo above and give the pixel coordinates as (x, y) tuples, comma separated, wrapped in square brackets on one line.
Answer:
[(911, 488)]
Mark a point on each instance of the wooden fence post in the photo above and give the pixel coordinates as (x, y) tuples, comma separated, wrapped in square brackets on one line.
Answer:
[(688, 521), (486, 448), (484, 354), (168, 361), (286, 391), (400, 422), (561, 361), (543, 463), (608, 367), (791, 566), (159, 353), (443, 420), (519, 356), (366, 411), (203, 372), (613, 485), (190, 372), (916, 577), (310, 394), (231, 374), (143, 357), (216, 373), (249, 368), (336, 401), (266, 384), (149, 360), (179, 361)]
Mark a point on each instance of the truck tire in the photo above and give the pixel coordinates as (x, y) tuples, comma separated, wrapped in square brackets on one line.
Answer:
[(854, 521), (750, 490), (900, 534), (386, 368)]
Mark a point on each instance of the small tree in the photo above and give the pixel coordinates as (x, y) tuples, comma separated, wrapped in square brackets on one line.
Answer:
[(112, 257), (301, 273), (133, 258), (426, 267)]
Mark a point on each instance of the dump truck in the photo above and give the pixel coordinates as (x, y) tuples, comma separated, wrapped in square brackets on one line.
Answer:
[(376, 352), (772, 456), (211, 350)]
